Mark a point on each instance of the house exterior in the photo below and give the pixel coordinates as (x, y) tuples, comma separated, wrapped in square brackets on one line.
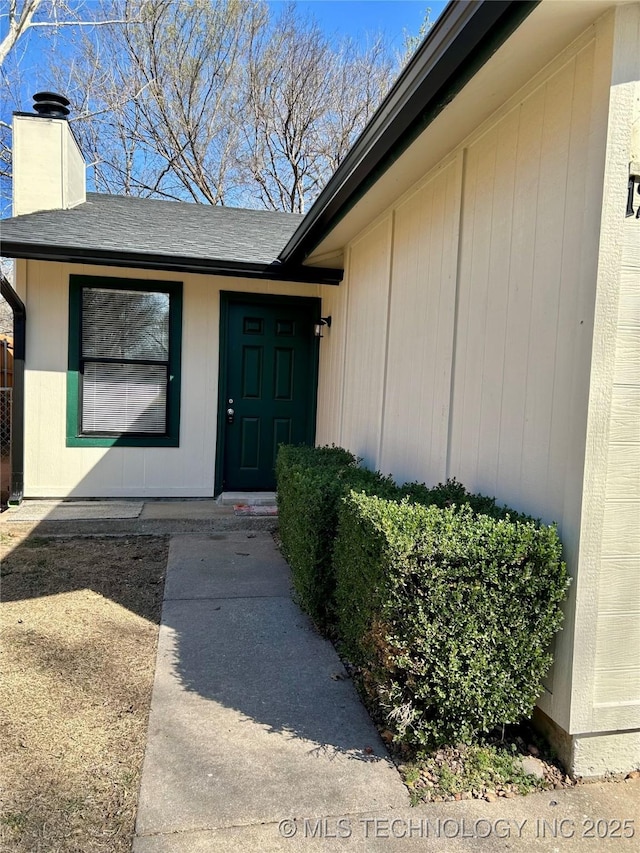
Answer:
[(478, 252)]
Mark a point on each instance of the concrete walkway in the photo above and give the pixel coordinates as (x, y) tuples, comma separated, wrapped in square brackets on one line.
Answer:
[(252, 717), (258, 742)]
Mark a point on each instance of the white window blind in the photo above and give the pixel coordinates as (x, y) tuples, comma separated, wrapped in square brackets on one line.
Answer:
[(125, 324), (124, 398), (125, 351)]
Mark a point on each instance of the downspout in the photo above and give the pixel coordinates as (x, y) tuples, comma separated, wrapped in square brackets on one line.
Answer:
[(17, 395)]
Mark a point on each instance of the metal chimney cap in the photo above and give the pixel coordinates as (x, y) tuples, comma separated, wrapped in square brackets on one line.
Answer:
[(51, 105)]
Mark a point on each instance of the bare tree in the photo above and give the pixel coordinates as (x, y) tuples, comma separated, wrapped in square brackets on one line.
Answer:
[(306, 103), (157, 103), (412, 42), (215, 102), (21, 17), (19, 20), (6, 319), (220, 102)]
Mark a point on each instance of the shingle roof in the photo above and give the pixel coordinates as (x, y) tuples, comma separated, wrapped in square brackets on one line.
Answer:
[(163, 234), (132, 224)]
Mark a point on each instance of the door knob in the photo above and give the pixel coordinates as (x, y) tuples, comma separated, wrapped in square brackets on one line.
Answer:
[(230, 415)]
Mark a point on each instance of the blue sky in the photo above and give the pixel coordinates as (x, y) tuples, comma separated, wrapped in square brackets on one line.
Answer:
[(362, 20), (359, 18)]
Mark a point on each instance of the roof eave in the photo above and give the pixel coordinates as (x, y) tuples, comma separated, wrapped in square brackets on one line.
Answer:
[(460, 43), (275, 271)]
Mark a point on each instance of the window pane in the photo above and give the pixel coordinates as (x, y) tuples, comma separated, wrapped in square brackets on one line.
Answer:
[(124, 398), (125, 324)]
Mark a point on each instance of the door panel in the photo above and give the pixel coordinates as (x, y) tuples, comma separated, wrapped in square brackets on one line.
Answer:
[(270, 374), (251, 372), (250, 444), (283, 370), (281, 432)]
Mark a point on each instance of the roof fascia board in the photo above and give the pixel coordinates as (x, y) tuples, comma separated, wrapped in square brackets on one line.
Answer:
[(460, 43), (139, 260)]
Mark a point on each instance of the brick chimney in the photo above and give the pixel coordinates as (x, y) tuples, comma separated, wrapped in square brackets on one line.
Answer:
[(49, 172)]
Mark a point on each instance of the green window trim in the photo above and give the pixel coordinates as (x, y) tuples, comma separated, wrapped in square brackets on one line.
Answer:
[(171, 438)]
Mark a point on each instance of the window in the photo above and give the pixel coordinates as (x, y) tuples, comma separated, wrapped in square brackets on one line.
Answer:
[(124, 362)]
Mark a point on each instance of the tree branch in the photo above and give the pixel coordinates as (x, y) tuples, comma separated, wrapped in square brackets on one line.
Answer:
[(56, 24)]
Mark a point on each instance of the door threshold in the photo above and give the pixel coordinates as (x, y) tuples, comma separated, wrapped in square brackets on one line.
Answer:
[(247, 499)]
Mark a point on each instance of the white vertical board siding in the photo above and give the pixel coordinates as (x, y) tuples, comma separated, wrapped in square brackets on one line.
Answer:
[(524, 322), (54, 470), (420, 339), (367, 283), (531, 210), (617, 657), (331, 366), (606, 664)]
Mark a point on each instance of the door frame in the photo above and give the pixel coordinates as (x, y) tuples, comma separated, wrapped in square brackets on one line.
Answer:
[(227, 298)]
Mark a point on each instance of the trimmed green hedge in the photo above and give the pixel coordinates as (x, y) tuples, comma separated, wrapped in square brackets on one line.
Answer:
[(454, 493), (311, 484), (447, 601), (449, 612)]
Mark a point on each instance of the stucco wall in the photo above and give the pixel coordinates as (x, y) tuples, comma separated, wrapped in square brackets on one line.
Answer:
[(54, 470), (489, 266)]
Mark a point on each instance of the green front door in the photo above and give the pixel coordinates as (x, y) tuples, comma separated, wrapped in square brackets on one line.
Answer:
[(268, 384)]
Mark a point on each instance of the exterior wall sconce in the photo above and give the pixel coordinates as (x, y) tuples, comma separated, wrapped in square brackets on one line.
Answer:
[(634, 169), (634, 181), (324, 321)]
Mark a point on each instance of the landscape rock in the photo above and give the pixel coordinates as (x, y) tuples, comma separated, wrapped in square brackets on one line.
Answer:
[(533, 766)]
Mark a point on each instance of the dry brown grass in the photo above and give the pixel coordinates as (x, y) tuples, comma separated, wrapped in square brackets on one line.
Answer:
[(79, 632)]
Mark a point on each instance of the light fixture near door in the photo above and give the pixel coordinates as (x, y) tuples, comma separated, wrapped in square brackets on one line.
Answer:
[(634, 181), (324, 321), (634, 171)]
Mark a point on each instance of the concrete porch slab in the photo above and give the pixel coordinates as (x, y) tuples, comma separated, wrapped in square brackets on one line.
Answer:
[(72, 510), (189, 509)]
